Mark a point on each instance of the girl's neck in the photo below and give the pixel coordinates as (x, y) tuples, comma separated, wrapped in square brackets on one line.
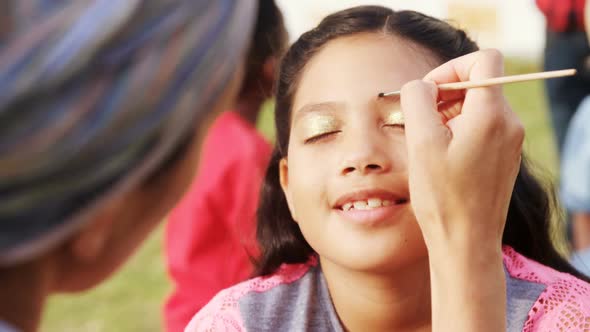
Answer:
[(23, 290), (371, 302), (249, 108)]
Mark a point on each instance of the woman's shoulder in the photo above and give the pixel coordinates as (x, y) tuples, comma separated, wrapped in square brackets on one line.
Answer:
[(223, 312), (562, 302)]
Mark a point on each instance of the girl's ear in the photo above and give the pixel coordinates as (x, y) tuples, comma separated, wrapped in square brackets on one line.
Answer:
[(266, 80), (284, 179), (90, 242), (269, 68)]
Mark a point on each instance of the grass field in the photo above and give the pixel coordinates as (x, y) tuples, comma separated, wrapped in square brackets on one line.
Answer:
[(132, 299)]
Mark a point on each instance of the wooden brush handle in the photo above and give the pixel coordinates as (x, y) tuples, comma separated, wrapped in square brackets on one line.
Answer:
[(495, 81)]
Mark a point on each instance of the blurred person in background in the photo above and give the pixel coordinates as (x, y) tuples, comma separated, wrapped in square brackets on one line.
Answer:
[(103, 106), (566, 46), (575, 178), (209, 236)]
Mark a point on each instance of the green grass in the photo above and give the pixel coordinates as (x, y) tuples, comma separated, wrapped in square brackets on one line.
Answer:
[(129, 301), (529, 102), (132, 299)]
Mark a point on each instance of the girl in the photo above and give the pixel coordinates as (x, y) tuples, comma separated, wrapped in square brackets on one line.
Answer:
[(381, 214)]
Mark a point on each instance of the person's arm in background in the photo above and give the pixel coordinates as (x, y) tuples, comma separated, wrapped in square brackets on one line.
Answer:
[(210, 234), (194, 236)]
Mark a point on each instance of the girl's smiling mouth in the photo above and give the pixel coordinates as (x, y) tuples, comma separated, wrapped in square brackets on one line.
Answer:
[(370, 207)]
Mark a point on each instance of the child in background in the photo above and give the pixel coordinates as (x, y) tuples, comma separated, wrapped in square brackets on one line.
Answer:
[(575, 183), (210, 235), (567, 46), (399, 214), (575, 175)]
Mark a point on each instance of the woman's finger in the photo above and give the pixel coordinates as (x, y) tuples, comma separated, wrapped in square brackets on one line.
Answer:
[(423, 121), (475, 66)]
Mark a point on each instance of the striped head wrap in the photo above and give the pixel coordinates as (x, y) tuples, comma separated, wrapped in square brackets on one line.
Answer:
[(95, 95)]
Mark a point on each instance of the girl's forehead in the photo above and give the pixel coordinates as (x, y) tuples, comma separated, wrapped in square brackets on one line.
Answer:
[(355, 69)]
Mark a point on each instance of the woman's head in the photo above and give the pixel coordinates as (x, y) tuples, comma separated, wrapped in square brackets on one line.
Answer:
[(337, 183), (102, 110)]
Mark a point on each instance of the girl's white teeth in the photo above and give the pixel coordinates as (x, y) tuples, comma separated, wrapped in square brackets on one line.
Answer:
[(371, 203), (374, 202), (360, 205)]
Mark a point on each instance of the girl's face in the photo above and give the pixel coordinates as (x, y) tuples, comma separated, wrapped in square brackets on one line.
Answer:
[(345, 177)]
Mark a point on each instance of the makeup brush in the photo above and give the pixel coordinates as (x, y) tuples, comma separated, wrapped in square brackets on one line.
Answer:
[(495, 81)]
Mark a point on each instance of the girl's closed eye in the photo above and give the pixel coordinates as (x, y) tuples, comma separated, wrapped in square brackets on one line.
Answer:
[(395, 119), (317, 128)]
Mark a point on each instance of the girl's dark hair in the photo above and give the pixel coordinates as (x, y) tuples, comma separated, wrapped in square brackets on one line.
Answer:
[(528, 224)]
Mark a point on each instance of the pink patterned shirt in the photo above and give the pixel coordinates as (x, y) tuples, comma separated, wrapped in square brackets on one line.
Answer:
[(296, 298)]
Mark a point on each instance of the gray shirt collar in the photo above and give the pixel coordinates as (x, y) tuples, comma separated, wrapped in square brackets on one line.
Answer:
[(6, 327)]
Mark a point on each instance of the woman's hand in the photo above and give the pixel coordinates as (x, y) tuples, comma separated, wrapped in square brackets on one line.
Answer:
[(461, 171), (462, 168)]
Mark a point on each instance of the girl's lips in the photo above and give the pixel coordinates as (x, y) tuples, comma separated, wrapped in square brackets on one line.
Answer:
[(372, 217), (364, 195)]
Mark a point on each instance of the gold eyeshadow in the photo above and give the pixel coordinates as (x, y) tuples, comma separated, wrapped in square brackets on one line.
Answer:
[(395, 117), (315, 125)]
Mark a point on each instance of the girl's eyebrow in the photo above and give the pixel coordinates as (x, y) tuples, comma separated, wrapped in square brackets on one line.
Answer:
[(388, 100), (323, 107), (330, 106)]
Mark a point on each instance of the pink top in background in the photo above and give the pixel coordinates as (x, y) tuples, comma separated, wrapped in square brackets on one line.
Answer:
[(209, 234)]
